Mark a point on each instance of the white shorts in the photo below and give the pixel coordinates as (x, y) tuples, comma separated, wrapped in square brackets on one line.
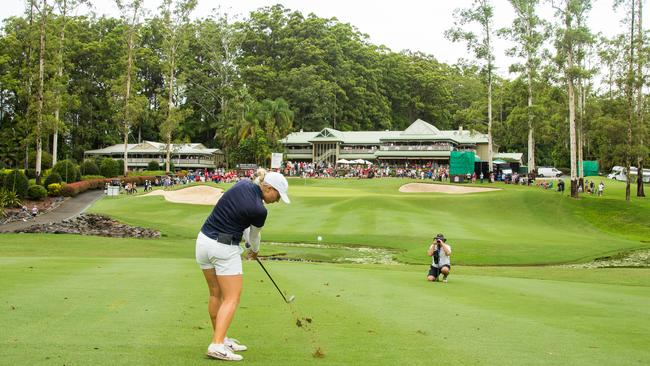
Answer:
[(224, 258)]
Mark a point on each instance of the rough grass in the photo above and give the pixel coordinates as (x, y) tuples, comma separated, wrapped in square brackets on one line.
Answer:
[(78, 310)]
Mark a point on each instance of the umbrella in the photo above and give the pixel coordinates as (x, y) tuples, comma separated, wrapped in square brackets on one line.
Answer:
[(368, 163), (499, 161), (343, 161), (358, 161)]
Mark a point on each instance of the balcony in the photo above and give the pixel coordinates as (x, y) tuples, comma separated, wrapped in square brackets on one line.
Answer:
[(357, 151), (417, 148), (299, 151), (200, 162)]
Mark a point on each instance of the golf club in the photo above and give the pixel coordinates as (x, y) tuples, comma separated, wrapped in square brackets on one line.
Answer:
[(287, 300)]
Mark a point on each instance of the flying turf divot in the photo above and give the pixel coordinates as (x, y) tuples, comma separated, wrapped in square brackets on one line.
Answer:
[(306, 324)]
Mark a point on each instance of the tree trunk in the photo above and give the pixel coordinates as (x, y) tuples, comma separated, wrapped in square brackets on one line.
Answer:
[(41, 77), (489, 76), (170, 106), (640, 192), (630, 86), (129, 68), (572, 107), (55, 137), (168, 157), (579, 137), (531, 128)]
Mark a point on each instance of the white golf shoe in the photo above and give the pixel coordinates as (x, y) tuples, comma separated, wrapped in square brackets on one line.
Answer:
[(222, 352), (234, 345)]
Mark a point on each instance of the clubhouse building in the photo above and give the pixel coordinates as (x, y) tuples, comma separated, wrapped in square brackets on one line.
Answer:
[(421, 142), (183, 156)]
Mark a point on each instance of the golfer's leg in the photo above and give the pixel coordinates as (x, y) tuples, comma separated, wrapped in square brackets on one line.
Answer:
[(445, 271), (214, 301), (230, 287)]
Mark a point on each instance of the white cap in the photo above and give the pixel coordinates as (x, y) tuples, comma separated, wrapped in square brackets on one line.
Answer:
[(279, 182)]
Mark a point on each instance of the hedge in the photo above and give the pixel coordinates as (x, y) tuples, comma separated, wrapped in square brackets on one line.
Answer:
[(73, 189), (36, 192), (16, 181)]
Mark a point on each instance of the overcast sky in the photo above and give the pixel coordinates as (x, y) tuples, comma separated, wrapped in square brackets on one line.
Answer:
[(417, 25)]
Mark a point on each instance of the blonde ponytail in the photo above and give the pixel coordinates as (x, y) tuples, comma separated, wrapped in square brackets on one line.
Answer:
[(259, 176)]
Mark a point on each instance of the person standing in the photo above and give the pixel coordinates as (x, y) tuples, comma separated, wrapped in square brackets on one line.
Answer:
[(441, 263), (601, 187), (239, 214)]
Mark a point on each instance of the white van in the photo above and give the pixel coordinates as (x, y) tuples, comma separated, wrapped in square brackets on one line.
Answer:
[(548, 172)]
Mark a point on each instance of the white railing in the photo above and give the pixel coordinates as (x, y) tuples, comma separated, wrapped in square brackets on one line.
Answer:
[(299, 151), (417, 148), (357, 151), (145, 161)]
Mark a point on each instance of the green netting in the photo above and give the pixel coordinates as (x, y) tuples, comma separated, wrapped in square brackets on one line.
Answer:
[(461, 162), (590, 167)]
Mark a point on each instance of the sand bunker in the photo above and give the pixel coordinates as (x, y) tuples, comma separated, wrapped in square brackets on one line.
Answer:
[(196, 195), (442, 188)]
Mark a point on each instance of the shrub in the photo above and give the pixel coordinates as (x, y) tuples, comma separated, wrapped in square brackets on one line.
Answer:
[(52, 178), (16, 181), (2, 165), (9, 198), (54, 190), (36, 192), (139, 180), (73, 189), (108, 168), (89, 167), (153, 165), (68, 171), (30, 173)]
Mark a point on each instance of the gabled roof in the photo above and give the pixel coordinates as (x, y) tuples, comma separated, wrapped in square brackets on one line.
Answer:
[(328, 134), (419, 127), (417, 131)]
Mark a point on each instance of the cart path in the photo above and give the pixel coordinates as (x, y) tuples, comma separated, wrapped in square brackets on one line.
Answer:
[(68, 208)]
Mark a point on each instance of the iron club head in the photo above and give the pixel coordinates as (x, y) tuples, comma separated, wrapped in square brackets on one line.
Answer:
[(290, 298)]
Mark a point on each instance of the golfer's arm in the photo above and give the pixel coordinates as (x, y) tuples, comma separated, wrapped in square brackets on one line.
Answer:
[(447, 249), (252, 236), (430, 251)]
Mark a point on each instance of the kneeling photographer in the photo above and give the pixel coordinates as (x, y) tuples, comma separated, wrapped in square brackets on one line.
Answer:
[(441, 264)]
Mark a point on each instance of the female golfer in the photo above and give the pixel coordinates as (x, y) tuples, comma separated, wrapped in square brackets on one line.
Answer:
[(239, 213)]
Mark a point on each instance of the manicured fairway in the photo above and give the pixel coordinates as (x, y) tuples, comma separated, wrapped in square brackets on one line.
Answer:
[(151, 311), (518, 225), (80, 300)]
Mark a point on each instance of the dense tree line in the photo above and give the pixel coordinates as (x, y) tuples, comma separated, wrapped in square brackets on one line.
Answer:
[(241, 85)]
